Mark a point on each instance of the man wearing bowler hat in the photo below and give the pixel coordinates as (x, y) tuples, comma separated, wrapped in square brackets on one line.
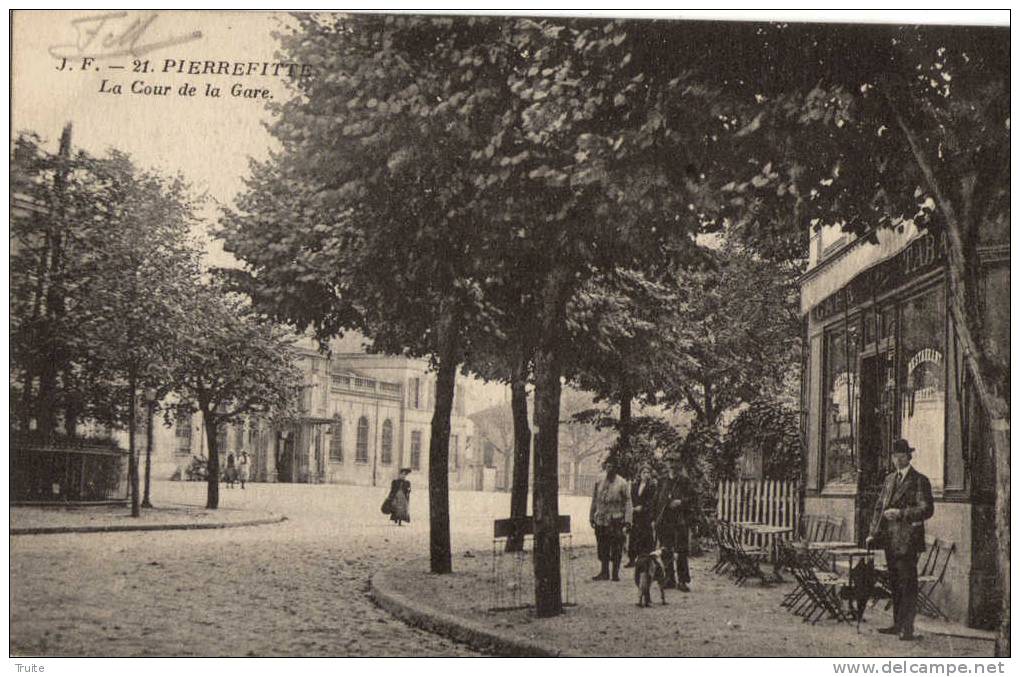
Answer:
[(898, 526)]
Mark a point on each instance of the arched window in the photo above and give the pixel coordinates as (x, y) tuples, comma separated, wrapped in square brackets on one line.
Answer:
[(387, 442), (336, 440), (361, 451)]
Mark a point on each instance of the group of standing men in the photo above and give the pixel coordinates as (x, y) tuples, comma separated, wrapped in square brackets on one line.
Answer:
[(651, 512)]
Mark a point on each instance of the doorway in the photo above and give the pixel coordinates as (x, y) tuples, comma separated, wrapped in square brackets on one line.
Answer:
[(285, 459), (876, 427)]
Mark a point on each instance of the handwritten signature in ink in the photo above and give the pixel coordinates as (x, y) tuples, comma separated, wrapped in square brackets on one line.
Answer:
[(115, 34)]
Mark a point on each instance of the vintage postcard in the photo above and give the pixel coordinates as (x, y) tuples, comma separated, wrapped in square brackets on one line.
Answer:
[(510, 334)]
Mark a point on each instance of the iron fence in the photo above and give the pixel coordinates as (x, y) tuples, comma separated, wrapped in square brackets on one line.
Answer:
[(68, 475)]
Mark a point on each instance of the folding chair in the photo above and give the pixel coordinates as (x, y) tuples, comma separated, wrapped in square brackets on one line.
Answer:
[(725, 552), (926, 566), (789, 559), (822, 588), (747, 559), (931, 576)]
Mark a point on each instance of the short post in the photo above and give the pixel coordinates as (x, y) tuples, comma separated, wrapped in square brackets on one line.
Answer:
[(150, 402)]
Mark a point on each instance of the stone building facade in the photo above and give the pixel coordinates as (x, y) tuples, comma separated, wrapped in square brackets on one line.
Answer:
[(362, 418)]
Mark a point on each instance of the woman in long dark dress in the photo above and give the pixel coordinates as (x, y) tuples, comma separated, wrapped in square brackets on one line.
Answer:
[(400, 498)]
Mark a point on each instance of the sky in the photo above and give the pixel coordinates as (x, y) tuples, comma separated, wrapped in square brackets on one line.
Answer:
[(208, 140)]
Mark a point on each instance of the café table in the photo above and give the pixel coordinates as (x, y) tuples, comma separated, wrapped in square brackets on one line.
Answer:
[(854, 556), (775, 531)]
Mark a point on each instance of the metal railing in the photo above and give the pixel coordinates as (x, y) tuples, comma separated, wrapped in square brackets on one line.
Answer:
[(68, 475)]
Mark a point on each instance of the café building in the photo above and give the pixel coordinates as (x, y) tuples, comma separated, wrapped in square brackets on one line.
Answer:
[(883, 361)]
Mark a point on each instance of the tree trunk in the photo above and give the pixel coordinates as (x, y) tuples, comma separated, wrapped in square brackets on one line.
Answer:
[(626, 399), (963, 276), (136, 510), (440, 558), (25, 401), (1000, 439), (54, 356), (146, 503), (548, 371), (71, 416), (212, 501), (522, 454)]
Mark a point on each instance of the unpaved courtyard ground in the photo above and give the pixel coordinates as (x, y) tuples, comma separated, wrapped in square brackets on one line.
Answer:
[(299, 588)]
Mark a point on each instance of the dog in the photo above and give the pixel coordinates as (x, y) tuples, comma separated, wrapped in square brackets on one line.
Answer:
[(647, 568)]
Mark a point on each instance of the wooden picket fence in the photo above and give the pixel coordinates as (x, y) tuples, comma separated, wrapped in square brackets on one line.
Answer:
[(772, 502)]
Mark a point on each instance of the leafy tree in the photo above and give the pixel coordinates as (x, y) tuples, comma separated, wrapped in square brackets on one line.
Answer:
[(505, 353), (616, 324), (131, 301), (580, 438), (102, 262), (735, 335), (876, 127), (586, 173), (231, 365), (770, 429), (45, 228), (365, 220)]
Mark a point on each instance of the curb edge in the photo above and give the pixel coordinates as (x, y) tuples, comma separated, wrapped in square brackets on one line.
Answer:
[(38, 531), (441, 623)]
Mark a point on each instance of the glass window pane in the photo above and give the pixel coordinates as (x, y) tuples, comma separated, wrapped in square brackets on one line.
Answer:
[(387, 442), (361, 451), (336, 440), (922, 382), (840, 402)]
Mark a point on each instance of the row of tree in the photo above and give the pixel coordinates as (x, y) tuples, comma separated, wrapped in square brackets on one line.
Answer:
[(523, 198), (108, 301)]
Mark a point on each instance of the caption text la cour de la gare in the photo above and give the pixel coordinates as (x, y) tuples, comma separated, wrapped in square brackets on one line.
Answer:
[(112, 82)]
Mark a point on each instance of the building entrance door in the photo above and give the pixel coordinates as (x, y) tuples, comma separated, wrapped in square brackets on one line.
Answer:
[(875, 432), (285, 459)]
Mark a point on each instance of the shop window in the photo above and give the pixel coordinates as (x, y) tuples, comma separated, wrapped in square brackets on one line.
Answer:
[(386, 453), (839, 401), (923, 382), (336, 440), (416, 450), (361, 452)]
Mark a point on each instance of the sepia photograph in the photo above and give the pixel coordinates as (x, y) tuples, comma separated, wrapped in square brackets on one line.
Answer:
[(515, 333)]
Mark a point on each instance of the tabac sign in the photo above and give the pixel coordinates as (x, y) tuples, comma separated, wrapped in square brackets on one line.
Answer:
[(919, 257)]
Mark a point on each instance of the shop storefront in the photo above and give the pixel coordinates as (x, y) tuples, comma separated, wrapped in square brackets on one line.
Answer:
[(884, 362)]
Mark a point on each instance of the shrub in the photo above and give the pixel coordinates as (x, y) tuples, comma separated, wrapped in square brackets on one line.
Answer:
[(197, 470), (773, 429)]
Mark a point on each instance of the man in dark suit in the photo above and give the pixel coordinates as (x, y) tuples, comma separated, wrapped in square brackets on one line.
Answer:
[(898, 526), (672, 506), (642, 496)]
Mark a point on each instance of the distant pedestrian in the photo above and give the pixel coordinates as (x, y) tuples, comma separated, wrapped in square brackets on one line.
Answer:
[(674, 506), (610, 515), (243, 468), (642, 496), (230, 474), (399, 500)]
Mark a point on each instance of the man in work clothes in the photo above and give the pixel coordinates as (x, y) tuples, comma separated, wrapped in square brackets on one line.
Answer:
[(672, 528), (611, 513), (898, 526)]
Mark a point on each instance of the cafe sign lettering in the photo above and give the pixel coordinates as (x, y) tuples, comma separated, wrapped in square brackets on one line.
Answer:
[(921, 256)]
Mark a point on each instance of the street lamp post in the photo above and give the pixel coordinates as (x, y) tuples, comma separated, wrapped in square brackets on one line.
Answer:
[(150, 401)]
